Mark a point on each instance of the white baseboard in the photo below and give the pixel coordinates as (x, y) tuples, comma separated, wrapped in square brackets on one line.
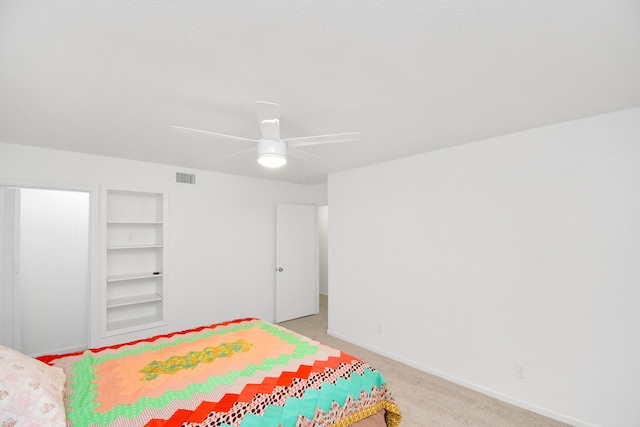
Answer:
[(524, 405), (75, 349)]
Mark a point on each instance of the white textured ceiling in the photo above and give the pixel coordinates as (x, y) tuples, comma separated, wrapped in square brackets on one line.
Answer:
[(110, 77)]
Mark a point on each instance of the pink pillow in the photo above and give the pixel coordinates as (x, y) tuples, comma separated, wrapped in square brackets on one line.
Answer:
[(30, 391)]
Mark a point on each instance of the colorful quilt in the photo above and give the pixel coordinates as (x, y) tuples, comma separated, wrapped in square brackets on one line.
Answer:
[(246, 373)]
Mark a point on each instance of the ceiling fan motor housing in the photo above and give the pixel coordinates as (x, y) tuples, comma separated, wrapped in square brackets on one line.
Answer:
[(272, 153)]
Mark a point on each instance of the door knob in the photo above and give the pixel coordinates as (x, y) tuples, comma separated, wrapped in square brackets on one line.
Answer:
[(280, 269)]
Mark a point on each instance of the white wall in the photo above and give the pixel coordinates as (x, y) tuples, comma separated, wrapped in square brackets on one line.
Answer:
[(221, 241), (318, 194), (7, 227), (523, 249)]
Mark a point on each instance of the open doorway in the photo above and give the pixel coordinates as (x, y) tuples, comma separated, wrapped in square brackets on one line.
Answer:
[(45, 285)]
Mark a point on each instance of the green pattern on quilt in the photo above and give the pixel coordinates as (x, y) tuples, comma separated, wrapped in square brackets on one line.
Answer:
[(192, 359), (287, 415), (83, 408)]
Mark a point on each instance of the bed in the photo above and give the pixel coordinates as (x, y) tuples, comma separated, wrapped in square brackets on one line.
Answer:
[(245, 372)]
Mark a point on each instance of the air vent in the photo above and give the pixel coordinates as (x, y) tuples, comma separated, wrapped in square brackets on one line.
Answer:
[(185, 178)]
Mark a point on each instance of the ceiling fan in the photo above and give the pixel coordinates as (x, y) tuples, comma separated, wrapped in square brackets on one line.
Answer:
[(272, 151)]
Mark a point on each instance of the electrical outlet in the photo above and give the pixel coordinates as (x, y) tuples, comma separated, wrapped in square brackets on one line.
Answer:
[(379, 328), (521, 371)]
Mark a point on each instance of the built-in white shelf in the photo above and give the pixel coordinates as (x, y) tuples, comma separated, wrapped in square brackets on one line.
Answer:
[(134, 258)]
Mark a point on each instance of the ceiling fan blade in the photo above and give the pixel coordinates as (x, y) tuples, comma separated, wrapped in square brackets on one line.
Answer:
[(243, 151), (206, 132), (267, 111), (270, 129), (301, 154), (322, 139)]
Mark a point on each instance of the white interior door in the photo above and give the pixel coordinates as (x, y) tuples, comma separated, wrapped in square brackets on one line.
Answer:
[(296, 262)]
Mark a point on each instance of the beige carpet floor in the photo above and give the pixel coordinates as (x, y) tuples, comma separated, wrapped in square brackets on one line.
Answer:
[(424, 399)]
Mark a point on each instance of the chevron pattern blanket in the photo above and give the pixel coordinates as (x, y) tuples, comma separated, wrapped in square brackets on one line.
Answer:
[(245, 373)]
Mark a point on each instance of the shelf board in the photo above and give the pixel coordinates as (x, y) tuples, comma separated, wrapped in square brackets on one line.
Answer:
[(134, 324), (132, 276), (137, 299), (135, 222), (133, 247)]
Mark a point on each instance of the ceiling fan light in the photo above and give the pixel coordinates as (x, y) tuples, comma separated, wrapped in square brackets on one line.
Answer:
[(272, 160), (272, 153)]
